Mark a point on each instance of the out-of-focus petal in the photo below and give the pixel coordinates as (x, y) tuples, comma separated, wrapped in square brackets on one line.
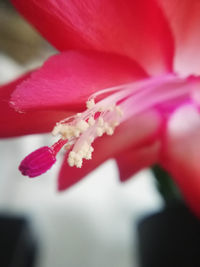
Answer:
[(181, 153), (13, 123), (134, 132), (135, 28), (133, 160), (66, 80), (184, 17)]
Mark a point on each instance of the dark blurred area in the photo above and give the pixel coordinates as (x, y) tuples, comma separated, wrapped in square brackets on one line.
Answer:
[(170, 238), (17, 243), (22, 44)]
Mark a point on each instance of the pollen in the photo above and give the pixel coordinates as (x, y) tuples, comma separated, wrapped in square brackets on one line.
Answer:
[(82, 129), (82, 126), (105, 110), (90, 104), (91, 121)]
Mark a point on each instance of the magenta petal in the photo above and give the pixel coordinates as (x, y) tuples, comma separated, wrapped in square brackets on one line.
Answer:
[(38, 162), (181, 153), (66, 80), (184, 18), (135, 159), (136, 131), (135, 28), (13, 123)]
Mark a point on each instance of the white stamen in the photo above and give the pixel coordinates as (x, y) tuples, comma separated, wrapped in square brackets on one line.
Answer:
[(99, 131), (56, 129), (90, 103), (120, 103), (109, 131), (91, 121), (82, 126), (100, 121), (82, 129)]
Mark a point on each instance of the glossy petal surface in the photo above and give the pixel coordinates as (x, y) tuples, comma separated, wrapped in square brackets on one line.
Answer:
[(184, 18), (133, 160), (67, 80), (181, 153), (145, 128), (15, 124), (132, 28)]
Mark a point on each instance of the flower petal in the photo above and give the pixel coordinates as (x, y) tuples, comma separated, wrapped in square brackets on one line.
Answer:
[(135, 28), (181, 153), (133, 160), (68, 79), (184, 17), (13, 123), (145, 127)]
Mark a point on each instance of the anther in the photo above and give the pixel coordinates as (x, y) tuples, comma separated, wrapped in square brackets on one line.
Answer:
[(90, 103)]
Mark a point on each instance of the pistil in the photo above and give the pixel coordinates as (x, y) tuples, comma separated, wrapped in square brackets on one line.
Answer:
[(115, 105)]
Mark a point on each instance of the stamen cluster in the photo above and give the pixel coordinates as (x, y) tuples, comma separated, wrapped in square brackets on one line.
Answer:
[(82, 129), (116, 105)]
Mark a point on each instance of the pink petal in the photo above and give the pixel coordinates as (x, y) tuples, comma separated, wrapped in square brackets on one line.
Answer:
[(184, 17), (132, 133), (133, 160), (68, 79), (13, 123), (181, 153), (136, 29)]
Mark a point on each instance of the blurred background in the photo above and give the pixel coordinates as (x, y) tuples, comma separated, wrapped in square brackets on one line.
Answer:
[(93, 224)]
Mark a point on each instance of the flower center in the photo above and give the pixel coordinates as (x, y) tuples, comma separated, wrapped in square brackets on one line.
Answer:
[(106, 109), (81, 130)]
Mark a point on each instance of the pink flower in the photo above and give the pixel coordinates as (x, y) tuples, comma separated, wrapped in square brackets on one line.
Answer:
[(137, 62)]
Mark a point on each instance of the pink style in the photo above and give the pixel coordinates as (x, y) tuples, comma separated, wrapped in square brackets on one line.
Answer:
[(125, 84)]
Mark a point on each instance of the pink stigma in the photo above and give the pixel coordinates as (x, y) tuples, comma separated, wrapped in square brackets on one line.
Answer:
[(37, 162), (41, 160)]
